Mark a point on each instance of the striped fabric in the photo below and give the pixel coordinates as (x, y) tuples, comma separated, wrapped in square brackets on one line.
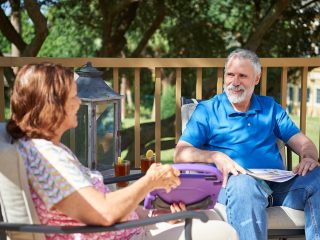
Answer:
[(54, 173)]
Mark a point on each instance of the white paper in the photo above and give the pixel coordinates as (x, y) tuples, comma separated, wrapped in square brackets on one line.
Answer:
[(273, 175)]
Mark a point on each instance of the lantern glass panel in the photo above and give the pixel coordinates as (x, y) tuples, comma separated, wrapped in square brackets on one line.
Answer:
[(105, 135), (81, 135), (77, 139)]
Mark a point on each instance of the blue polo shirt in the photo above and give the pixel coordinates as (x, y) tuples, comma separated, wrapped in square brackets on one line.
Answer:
[(248, 138)]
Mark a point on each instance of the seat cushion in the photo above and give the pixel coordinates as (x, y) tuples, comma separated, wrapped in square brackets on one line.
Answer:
[(187, 108), (15, 198), (278, 217)]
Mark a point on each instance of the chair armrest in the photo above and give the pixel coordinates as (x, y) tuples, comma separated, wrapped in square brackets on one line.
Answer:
[(40, 228), (132, 177), (289, 158)]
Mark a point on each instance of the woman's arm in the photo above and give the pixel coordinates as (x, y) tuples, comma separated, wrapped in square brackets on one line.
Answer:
[(92, 207)]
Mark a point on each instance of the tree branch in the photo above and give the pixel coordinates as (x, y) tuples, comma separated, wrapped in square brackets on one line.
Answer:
[(107, 25), (259, 31), (40, 25), (119, 7), (114, 41), (309, 3), (148, 34), (10, 33)]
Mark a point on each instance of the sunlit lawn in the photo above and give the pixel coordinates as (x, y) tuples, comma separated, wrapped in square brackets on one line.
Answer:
[(312, 131)]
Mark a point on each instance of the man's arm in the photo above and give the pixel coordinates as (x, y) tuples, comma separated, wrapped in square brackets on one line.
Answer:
[(185, 152), (306, 149)]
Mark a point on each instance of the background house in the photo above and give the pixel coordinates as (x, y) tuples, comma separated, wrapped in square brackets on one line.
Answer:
[(313, 94)]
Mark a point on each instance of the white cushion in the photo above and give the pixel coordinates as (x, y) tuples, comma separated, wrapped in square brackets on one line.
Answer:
[(278, 217), (186, 112), (15, 199), (285, 218)]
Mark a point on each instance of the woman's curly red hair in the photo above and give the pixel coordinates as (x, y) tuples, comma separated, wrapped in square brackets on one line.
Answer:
[(38, 100)]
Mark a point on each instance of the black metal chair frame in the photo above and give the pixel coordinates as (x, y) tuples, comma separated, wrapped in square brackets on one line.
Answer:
[(39, 228)]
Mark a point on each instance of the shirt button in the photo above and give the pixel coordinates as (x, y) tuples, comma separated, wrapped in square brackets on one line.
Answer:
[(249, 124)]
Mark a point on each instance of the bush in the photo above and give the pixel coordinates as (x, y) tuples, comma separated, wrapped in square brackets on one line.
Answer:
[(168, 102)]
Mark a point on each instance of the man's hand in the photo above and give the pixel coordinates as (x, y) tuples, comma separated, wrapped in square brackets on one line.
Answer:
[(306, 165), (305, 148), (227, 166)]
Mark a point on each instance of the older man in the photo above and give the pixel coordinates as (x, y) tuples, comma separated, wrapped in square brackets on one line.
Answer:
[(238, 129)]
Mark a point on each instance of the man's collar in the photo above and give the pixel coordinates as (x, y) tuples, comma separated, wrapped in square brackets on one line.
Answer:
[(255, 106)]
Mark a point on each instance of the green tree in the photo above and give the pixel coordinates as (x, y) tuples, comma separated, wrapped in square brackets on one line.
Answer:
[(159, 28)]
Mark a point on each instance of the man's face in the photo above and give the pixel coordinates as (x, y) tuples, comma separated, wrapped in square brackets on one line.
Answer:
[(240, 80)]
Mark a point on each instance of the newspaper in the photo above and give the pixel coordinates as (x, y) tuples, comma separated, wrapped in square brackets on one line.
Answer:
[(273, 175)]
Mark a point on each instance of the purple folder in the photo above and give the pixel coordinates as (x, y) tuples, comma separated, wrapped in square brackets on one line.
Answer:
[(199, 189)]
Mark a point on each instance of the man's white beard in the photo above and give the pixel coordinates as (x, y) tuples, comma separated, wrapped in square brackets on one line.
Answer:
[(237, 98)]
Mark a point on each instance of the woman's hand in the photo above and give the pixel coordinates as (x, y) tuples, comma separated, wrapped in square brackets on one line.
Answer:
[(163, 176), (173, 209)]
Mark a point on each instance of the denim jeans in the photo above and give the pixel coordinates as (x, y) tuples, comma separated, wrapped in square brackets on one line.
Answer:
[(246, 203)]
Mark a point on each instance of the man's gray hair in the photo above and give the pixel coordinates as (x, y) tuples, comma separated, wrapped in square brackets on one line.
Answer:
[(245, 54)]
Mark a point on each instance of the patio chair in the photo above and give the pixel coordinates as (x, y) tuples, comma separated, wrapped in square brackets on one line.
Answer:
[(20, 220), (283, 222)]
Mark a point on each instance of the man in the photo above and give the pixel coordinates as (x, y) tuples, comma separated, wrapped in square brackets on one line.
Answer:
[(238, 129)]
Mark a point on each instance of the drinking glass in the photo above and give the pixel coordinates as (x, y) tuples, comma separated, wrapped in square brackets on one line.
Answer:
[(122, 168)]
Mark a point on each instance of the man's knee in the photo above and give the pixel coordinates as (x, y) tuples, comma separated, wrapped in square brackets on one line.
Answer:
[(244, 186), (241, 181), (313, 178)]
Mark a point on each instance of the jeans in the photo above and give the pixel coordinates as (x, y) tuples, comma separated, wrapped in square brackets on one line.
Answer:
[(246, 203)]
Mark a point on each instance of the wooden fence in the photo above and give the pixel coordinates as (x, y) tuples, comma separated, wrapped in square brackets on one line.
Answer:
[(178, 64)]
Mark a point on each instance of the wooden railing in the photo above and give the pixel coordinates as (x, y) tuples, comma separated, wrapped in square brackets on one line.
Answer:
[(156, 64)]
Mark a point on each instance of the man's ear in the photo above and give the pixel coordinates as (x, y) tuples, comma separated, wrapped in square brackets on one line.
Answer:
[(257, 80)]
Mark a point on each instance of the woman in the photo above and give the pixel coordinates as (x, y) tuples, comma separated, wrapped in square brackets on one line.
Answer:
[(44, 105)]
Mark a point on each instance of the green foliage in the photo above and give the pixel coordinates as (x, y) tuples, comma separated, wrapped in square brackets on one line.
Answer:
[(195, 28), (27, 33), (168, 102), (70, 34), (5, 45)]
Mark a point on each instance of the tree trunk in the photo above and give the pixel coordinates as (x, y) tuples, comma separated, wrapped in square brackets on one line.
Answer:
[(260, 29), (16, 23)]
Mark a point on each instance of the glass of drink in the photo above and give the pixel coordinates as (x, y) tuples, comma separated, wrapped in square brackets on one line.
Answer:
[(145, 163), (122, 168)]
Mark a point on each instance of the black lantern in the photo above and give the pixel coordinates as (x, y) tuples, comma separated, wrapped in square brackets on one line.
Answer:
[(96, 140)]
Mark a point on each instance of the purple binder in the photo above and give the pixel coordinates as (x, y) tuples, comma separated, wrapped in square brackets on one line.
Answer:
[(199, 189)]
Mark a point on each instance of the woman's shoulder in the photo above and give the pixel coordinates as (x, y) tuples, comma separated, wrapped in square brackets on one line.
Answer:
[(46, 150)]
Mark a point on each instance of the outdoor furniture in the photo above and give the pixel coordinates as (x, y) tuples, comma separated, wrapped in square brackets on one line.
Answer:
[(19, 215), (283, 222)]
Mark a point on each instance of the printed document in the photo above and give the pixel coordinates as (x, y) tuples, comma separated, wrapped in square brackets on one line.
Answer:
[(273, 175)]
